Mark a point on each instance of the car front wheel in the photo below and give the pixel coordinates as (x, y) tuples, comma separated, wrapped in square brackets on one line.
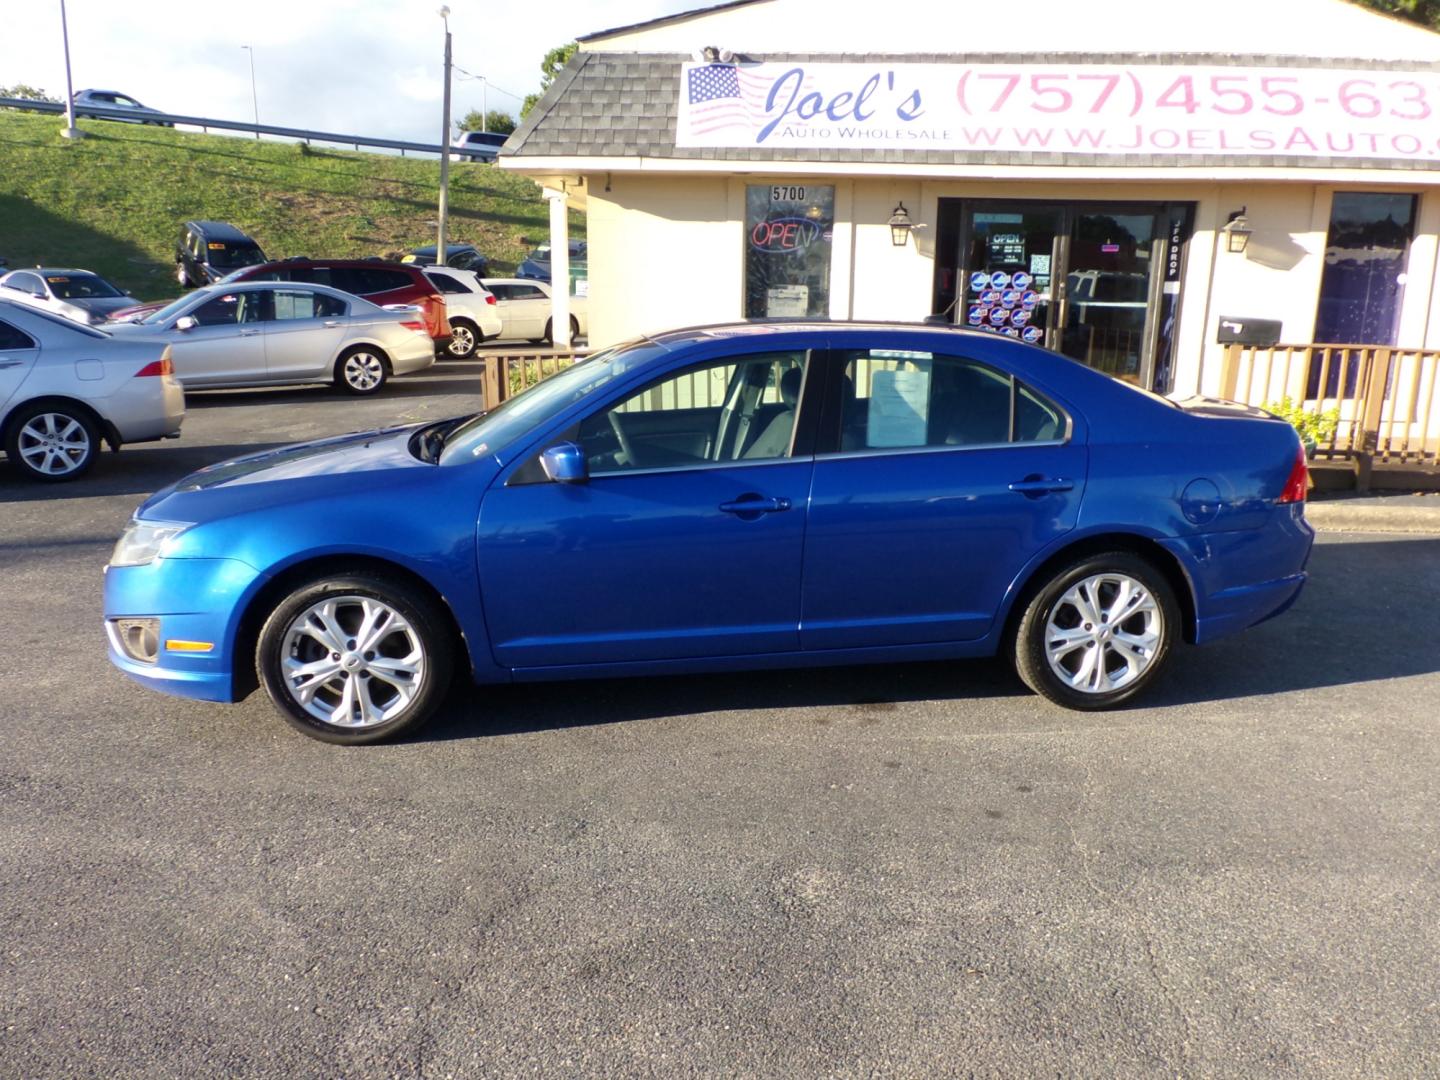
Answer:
[(1098, 632), (356, 658), (361, 371), (52, 442)]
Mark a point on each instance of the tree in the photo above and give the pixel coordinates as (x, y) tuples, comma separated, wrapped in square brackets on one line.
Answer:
[(1424, 12), (554, 60), (29, 93), (496, 120)]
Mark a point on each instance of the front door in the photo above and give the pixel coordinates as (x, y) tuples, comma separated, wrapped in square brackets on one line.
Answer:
[(227, 344), (685, 541), (941, 480)]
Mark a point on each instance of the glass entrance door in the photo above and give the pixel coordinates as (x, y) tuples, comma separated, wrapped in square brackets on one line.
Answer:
[(1087, 280)]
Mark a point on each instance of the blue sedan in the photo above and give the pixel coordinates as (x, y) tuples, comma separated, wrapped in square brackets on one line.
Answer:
[(721, 498)]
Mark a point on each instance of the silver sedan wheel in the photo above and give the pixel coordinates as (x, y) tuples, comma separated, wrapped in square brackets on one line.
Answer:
[(54, 444), (462, 341), (363, 371), (1103, 634), (352, 661)]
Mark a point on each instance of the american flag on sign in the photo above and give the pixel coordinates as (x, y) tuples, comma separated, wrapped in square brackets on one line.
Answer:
[(723, 96)]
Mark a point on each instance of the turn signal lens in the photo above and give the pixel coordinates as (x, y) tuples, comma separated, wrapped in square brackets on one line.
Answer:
[(1299, 479), (179, 645)]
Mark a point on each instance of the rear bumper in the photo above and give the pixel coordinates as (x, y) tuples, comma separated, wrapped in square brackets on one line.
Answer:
[(139, 414), (412, 357)]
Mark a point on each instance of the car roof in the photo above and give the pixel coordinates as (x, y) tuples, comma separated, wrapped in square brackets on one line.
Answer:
[(387, 264), (53, 270), (751, 328), (429, 249), (487, 281), (218, 230)]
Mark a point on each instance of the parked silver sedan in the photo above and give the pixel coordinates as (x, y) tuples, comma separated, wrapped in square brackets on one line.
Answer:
[(65, 387), (81, 295), (264, 333)]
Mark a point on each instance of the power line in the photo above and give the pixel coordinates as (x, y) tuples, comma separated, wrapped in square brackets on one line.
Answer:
[(498, 89)]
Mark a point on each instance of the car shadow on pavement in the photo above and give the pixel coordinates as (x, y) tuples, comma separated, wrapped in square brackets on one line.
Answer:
[(857, 694), (136, 470), (1364, 616)]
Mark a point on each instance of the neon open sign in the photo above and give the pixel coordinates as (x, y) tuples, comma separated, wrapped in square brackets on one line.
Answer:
[(784, 235)]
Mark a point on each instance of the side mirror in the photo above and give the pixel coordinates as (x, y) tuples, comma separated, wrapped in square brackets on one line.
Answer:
[(565, 464), (186, 322)]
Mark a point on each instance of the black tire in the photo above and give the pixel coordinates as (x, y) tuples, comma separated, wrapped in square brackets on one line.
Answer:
[(42, 437), (1030, 645), (362, 371), (549, 337), (424, 619), (465, 338)]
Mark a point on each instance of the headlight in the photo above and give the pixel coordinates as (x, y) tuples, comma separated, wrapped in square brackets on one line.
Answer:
[(144, 541)]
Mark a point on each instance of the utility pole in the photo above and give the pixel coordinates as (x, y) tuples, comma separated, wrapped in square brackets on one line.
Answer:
[(440, 248), (70, 131), (484, 103), (254, 99)]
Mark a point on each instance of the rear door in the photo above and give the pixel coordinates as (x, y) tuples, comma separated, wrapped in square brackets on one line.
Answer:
[(18, 352), (528, 310), (304, 334), (937, 479)]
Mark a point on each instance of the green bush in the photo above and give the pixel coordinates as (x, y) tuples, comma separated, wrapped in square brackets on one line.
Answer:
[(1315, 428)]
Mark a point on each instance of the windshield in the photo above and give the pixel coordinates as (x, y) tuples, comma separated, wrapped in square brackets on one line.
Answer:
[(491, 432), (227, 255), (80, 286), (170, 310)]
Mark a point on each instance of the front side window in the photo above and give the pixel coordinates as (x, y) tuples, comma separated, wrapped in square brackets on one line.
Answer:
[(527, 292), (788, 229), (895, 399), (732, 409), (230, 308)]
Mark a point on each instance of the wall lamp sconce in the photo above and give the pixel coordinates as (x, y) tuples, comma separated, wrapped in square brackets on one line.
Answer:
[(900, 225), (1237, 232), (713, 54)]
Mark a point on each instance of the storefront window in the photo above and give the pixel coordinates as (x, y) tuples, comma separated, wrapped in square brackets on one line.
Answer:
[(788, 230), (1364, 264)]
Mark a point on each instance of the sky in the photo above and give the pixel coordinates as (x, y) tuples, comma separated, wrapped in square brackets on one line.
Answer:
[(364, 67)]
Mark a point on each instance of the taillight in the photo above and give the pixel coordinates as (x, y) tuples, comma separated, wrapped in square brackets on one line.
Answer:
[(163, 366), (1298, 481), (489, 298), (410, 324)]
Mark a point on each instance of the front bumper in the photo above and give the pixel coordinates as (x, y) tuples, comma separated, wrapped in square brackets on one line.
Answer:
[(195, 600)]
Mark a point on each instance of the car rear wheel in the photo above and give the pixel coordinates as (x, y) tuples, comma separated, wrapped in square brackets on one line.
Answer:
[(464, 337), (52, 442), (362, 370), (356, 658), (1098, 632)]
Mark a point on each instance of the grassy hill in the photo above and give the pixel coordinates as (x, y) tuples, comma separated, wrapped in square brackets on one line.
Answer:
[(114, 201)]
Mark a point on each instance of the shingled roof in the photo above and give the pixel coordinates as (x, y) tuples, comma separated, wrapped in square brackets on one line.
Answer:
[(625, 105)]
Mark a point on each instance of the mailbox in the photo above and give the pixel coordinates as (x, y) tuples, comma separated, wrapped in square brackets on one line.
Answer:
[(1240, 330)]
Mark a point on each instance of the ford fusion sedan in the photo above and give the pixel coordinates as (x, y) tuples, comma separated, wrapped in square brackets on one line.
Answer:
[(65, 388), (261, 334), (753, 495), (75, 294)]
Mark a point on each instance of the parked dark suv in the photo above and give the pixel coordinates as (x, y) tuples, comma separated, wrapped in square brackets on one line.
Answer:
[(208, 250), (379, 282)]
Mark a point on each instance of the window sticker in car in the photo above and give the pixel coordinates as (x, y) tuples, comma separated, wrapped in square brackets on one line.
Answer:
[(213, 246), (899, 407), (58, 280)]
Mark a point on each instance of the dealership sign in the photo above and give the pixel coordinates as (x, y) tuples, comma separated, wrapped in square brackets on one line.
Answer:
[(1071, 109)]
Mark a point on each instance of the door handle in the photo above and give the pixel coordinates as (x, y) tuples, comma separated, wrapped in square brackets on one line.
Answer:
[(6, 362), (248, 333), (752, 506), (1039, 485), (332, 322)]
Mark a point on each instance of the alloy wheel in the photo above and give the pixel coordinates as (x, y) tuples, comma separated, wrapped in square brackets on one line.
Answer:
[(54, 444), (352, 661), (363, 371), (1103, 633), (462, 340)]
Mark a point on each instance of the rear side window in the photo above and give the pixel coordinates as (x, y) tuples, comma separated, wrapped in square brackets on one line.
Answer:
[(527, 292), (26, 283), (305, 305), (12, 337), (447, 284), (896, 399), (377, 280)]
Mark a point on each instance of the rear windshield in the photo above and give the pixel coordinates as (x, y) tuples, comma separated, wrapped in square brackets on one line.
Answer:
[(233, 255), (81, 286)]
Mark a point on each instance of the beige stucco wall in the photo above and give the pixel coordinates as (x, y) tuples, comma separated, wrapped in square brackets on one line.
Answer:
[(668, 251)]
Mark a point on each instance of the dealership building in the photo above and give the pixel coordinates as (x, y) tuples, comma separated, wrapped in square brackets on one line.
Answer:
[(1130, 189)]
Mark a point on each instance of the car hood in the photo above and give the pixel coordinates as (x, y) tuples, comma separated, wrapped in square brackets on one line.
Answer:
[(102, 305), (359, 461)]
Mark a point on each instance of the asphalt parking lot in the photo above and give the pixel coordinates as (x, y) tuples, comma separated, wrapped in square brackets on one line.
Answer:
[(909, 871)]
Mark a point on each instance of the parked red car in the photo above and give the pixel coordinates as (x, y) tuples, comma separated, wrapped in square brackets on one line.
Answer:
[(379, 282)]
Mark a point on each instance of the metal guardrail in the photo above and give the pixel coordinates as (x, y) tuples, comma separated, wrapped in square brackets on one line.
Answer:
[(206, 123)]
